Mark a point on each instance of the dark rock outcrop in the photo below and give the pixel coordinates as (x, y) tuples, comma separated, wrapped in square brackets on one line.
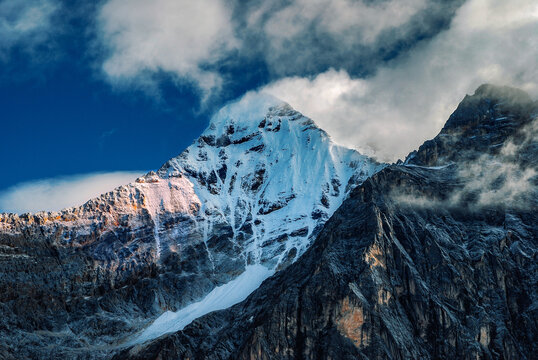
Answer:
[(433, 259), (481, 123)]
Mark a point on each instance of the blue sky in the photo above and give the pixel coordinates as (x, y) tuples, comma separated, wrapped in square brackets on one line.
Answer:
[(116, 86), (61, 117)]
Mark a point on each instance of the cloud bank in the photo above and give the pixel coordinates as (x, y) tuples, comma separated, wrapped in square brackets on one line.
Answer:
[(206, 42), (379, 76), (406, 102), (59, 193)]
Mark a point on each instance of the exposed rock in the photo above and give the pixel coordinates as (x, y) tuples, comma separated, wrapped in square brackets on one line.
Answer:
[(83, 281), (404, 269)]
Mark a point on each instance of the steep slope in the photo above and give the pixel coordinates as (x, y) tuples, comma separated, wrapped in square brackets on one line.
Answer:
[(271, 175), (242, 202), (480, 126), (433, 259)]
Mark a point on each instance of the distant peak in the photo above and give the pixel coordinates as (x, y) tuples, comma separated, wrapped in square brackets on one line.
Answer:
[(481, 123), (487, 101)]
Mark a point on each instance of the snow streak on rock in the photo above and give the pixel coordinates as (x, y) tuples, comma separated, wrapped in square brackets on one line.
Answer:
[(219, 298), (270, 174), (273, 178)]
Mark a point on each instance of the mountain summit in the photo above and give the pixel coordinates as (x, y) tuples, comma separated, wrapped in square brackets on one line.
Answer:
[(431, 259), (480, 124), (243, 201), (264, 240), (270, 176)]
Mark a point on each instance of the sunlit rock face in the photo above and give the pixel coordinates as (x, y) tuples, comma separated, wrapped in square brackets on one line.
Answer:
[(251, 193), (432, 258)]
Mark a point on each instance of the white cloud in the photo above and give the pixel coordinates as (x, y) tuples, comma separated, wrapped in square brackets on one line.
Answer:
[(181, 37), (305, 36), (408, 101), (25, 23), (351, 21), (59, 193), (176, 36)]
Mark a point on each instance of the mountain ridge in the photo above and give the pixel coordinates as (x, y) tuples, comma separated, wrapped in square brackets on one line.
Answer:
[(110, 267), (429, 258), (398, 273)]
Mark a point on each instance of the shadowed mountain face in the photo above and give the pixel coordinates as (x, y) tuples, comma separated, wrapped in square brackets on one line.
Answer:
[(432, 258), (242, 202), (480, 126)]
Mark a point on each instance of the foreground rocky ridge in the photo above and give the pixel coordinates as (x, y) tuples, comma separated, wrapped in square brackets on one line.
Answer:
[(433, 258), (81, 282)]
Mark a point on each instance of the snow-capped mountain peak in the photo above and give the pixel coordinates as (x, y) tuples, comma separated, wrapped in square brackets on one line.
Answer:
[(242, 202), (267, 179), (270, 174)]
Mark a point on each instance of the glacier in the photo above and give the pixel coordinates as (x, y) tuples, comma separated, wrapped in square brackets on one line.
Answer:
[(221, 297)]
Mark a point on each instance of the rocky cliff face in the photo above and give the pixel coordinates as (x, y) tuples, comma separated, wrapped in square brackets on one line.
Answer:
[(480, 126), (433, 258), (245, 200)]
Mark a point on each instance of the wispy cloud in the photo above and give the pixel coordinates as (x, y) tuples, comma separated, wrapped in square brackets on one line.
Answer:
[(25, 24), (301, 36), (406, 102), (506, 179), (62, 192)]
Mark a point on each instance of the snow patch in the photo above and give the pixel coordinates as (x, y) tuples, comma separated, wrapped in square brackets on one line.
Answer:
[(173, 195), (221, 297)]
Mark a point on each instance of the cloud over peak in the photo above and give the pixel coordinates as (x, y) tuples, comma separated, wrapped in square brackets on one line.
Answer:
[(407, 100)]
